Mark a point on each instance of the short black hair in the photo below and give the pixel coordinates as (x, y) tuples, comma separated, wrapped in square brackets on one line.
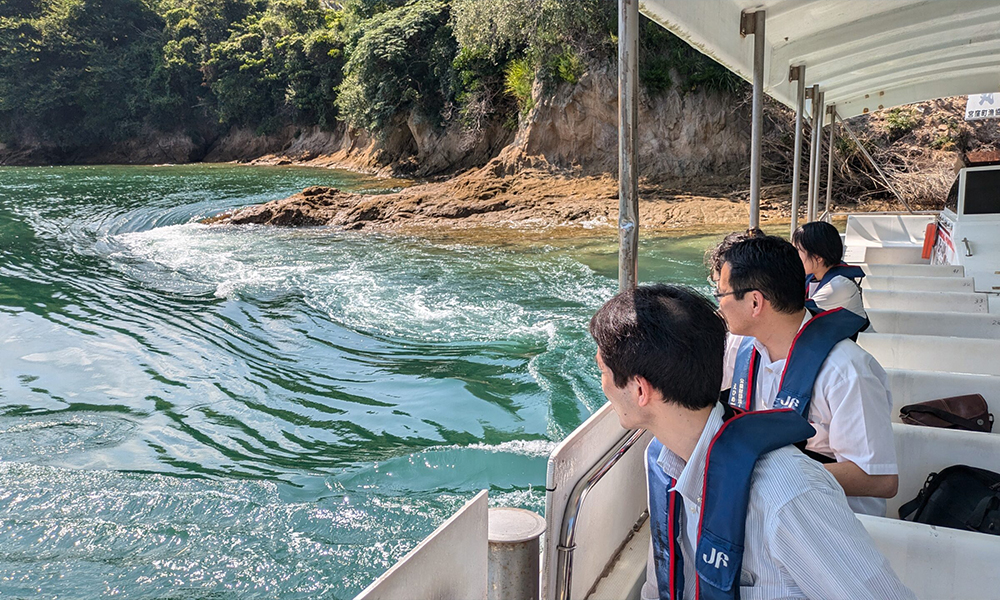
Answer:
[(771, 266), (821, 240), (713, 258), (670, 335)]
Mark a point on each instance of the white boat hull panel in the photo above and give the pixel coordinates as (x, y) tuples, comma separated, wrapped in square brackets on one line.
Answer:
[(608, 514)]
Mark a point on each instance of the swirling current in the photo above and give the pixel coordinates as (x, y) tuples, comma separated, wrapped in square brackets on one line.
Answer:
[(192, 411)]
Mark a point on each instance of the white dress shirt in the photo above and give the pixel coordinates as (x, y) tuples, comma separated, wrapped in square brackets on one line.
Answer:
[(851, 409), (838, 292), (802, 540)]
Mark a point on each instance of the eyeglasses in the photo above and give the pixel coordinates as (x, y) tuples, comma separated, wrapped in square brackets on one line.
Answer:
[(720, 295)]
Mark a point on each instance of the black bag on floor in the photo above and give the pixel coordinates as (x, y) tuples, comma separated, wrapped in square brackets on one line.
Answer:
[(958, 497)]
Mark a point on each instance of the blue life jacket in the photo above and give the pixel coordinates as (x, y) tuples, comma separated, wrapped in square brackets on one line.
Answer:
[(842, 270), (729, 464), (809, 349)]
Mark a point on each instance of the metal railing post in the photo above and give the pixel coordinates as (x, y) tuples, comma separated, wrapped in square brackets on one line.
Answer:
[(817, 152), (797, 74), (813, 94), (628, 155), (752, 23), (832, 111)]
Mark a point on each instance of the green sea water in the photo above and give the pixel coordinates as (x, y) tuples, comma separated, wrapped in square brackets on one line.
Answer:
[(191, 411)]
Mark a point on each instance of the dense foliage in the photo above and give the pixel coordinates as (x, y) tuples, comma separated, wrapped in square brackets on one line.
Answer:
[(76, 73)]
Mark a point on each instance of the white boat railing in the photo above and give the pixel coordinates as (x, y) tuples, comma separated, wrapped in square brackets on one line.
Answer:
[(574, 559)]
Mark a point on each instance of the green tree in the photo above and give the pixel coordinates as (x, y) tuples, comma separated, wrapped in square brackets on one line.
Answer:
[(73, 71), (401, 60), (282, 64)]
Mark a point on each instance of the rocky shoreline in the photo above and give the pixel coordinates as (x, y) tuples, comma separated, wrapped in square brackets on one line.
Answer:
[(483, 198)]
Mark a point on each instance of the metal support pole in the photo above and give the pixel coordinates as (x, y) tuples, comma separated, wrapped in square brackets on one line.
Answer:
[(814, 201), (832, 111), (813, 94), (818, 152), (797, 74), (628, 155), (753, 23)]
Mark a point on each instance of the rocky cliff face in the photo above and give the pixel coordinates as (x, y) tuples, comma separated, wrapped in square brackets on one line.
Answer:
[(680, 134), (574, 130)]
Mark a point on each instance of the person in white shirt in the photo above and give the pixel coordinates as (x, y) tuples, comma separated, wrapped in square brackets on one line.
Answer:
[(848, 402), (774, 526), (829, 282)]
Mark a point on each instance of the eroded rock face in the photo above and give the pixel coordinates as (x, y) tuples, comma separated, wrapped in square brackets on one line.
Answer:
[(680, 134)]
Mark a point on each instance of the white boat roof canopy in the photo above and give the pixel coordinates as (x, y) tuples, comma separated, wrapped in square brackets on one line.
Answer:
[(864, 54)]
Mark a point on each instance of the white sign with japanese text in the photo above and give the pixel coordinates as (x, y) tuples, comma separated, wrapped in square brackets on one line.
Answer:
[(982, 106)]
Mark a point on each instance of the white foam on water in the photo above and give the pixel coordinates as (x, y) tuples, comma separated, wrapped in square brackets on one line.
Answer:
[(533, 448)]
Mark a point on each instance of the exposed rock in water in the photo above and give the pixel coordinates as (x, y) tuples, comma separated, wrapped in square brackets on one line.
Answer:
[(478, 198)]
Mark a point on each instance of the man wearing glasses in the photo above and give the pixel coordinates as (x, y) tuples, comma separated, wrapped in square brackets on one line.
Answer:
[(734, 510), (781, 356)]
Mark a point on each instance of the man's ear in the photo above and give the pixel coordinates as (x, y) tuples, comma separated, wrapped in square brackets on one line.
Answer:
[(644, 390), (756, 303)]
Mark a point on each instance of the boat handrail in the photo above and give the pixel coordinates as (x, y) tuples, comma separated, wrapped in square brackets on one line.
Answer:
[(567, 533)]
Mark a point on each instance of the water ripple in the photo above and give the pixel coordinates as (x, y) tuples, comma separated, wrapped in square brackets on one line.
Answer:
[(197, 412)]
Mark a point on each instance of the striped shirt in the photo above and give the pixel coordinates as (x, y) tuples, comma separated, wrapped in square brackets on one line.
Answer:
[(802, 540)]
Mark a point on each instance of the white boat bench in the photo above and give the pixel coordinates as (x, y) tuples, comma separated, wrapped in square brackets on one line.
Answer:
[(936, 562), (895, 283), (963, 325), (945, 302), (883, 270), (909, 387)]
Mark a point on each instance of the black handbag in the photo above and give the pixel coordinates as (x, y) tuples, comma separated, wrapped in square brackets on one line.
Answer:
[(959, 497)]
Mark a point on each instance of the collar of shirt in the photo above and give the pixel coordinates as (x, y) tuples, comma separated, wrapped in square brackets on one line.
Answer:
[(766, 358), (690, 476)]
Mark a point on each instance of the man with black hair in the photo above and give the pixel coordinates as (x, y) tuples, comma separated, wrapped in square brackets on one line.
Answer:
[(790, 358), (713, 258), (734, 513)]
